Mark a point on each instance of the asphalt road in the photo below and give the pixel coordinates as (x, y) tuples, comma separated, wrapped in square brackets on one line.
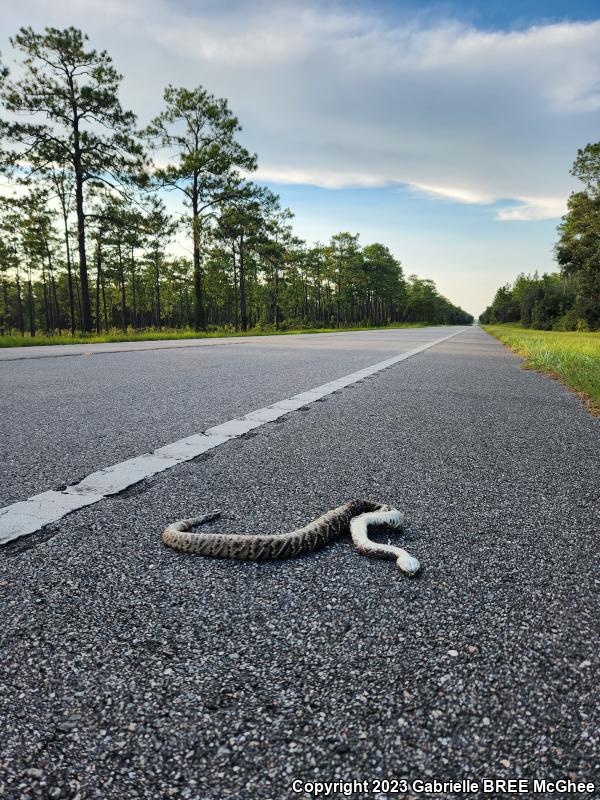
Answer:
[(63, 418), (129, 670)]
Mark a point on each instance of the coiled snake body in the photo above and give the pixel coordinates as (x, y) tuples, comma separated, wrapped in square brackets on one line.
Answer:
[(354, 517)]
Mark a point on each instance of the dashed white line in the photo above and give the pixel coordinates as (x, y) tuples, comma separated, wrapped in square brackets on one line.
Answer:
[(28, 516)]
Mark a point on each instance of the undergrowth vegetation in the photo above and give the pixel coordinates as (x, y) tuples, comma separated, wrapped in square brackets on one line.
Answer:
[(117, 335)]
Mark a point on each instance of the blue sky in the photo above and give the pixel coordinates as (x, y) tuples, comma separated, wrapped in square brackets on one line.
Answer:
[(494, 14), (444, 130), (463, 247)]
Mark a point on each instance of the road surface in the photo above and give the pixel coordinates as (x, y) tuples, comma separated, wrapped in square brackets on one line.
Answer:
[(130, 670)]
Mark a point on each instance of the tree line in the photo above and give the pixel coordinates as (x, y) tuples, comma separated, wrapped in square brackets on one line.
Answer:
[(570, 299), (87, 242)]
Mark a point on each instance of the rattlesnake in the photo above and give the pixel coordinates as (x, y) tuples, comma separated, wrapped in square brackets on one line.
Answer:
[(354, 516)]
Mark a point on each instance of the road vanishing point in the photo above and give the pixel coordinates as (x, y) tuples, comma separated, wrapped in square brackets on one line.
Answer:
[(130, 670)]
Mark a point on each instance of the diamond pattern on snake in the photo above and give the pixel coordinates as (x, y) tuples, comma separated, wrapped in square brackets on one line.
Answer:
[(353, 517)]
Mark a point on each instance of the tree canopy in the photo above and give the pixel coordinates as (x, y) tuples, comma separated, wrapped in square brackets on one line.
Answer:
[(83, 181), (66, 115), (569, 300)]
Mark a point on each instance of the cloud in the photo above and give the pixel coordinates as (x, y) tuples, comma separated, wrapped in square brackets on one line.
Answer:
[(325, 179), (335, 97), (460, 195), (534, 208)]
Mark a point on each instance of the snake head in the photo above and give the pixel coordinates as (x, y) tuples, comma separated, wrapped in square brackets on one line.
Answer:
[(408, 564)]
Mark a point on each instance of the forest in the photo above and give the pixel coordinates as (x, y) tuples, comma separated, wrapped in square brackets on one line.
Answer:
[(568, 300), (88, 243)]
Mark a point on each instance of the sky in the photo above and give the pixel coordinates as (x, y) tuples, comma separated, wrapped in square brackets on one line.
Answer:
[(445, 130)]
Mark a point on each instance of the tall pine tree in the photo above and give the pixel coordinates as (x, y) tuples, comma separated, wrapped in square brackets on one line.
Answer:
[(73, 120)]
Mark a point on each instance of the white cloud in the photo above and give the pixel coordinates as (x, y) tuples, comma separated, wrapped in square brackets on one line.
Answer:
[(337, 98), (534, 208), (460, 195), (326, 179)]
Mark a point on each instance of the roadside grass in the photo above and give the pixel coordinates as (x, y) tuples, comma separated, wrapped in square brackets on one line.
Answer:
[(117, 335), (573, 357)]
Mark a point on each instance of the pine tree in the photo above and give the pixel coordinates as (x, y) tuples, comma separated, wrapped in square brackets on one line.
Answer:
[(75, 122)]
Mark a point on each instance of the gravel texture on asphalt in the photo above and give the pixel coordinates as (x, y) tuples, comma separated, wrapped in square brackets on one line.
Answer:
[(134, 671), (66, 417)]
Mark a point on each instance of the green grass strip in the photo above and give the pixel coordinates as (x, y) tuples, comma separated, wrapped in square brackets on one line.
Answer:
[(572, 357), (154, 335)]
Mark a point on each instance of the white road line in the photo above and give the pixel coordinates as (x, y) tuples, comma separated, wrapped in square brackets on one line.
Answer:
[(28, 516)]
